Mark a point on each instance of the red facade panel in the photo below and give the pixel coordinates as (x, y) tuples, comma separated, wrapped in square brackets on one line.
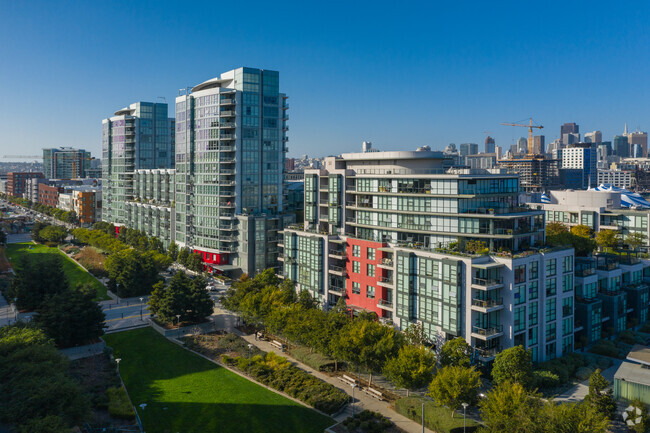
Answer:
[(362, 299)]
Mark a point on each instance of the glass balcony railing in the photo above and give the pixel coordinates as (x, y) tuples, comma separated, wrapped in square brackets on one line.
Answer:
[(487, 281), (486, 332), (487, 303)]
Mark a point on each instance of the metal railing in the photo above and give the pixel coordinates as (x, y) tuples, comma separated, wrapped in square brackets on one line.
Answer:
[(486, 332), (388, 280), (487, 303), (487, 281)]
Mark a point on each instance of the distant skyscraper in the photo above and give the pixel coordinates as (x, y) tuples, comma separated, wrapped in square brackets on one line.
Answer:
[(139, 136), (522, 145), (468, 149), (621, 146), (640, 138), (489, 144), (539, 145), (594, 137), (65, 163), (569, 133), (637, 151)]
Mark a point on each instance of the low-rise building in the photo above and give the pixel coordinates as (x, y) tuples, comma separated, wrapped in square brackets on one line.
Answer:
[(617, 178), (16, 182)]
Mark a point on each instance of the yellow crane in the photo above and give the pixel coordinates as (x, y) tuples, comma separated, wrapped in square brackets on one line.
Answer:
[(530, 127)]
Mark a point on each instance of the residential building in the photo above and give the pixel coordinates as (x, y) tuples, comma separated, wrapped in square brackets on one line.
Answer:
[(16, 182), (87, 204), (536, 174), (65, 163), (66, 202), (489, 145), (617, 178), (230, 152), (481, 160), (31, 188), (48, 195), (386, 232), (139, 136), (582, 157)]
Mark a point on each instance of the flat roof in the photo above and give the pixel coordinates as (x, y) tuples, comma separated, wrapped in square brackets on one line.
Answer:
[(635, 373), (640, 354)]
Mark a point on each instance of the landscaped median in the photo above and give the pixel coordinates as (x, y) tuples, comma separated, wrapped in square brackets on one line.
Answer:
[(76, 275), (436, 418), (185, 392)]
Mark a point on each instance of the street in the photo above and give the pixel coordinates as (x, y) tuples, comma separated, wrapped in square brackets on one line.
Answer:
[(125, 313)]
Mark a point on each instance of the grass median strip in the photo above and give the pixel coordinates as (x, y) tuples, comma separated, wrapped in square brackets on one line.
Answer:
[(184, 392), (73, 271)]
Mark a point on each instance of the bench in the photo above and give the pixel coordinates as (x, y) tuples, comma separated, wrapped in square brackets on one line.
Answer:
[(349, 380), (374, 393), (277, 345)]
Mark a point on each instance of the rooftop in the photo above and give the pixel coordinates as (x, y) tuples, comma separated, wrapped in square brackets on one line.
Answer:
[(635, 373), (640, 354)]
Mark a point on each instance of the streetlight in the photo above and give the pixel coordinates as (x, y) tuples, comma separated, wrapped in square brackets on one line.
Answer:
[(141, 299), (354, 385), (117, 360), (464, 412), (250, 348), (178, 325)]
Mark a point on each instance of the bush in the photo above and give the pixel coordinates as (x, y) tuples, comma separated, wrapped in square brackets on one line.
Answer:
[(315, 360), (367, 422), (565, 368), (627, 337), (605, 348), (545, 379), (583, 373), (118, 404)]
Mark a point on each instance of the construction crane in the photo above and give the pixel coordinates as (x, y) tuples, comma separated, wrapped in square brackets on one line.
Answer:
[(22, 157), (530, 127)]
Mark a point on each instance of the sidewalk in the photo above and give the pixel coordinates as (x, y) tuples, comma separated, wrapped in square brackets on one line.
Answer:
[(362, 400), (579, 391)]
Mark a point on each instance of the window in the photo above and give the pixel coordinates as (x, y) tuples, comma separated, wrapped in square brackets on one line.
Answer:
[(567, 326), (567, 264), (567, 283), (520, 294), (532, 314), (551, 288), (370, 270), (356, 267), (371, 254), (520, 274), (356, 288), (567, 307), (550, 310), (520, 319), (533, 290), (370, 292), (550, 351), (356, 251), (551, 267), (550, 331), (532, 336), (534, 270)]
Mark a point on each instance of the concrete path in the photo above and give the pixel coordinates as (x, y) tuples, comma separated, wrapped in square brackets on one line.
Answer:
[(362, 401), (579, 391)]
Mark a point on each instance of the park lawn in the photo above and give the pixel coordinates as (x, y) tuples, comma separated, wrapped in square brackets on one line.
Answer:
[(186, 393), (436, 418), (74, 273)]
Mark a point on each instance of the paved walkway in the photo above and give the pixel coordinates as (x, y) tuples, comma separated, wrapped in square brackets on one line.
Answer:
[(362, 401), (579, 391)]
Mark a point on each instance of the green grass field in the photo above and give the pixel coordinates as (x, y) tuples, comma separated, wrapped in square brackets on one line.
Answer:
[(186, 393), (74, 273)]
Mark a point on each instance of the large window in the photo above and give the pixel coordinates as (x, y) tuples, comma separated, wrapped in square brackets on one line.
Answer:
[(532, 314), (356, 251), (551, 267), (370, 292), (567, 264), (520, 319), (533, 290), (356, 288), (371, 254), (370, 270), (550, 310), (356, 267), (520, 294), (534, 270), (551, 287), (567, 283), (520, 274)]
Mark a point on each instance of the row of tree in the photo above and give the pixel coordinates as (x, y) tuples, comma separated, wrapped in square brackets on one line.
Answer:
[(69, 316), (585, 241), (43, 232), (184, 296), (60, 214)]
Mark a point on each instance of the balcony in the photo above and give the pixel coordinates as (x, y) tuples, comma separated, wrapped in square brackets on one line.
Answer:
[(385, 304), (487, 283), (386, 264), (337, 270), (487, 354), (228, 204), (227, 137), (227, 101), (226, 113), (487, 333), (487, 305), (338, 253), (336, 290), (386, 281)]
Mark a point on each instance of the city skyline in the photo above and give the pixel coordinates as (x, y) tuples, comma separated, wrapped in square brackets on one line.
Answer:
[(448, 83)]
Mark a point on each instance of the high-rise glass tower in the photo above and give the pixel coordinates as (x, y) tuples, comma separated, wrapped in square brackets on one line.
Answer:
[(139, 136), (230, 151), (65, 163)]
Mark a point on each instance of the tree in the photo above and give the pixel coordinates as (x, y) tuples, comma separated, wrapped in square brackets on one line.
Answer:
[(306, 300), (412, 368), (570, 417), (452, 386), (510, 408), (555, 228), (184, 296), (600, 398), (182, 256), (607, 238), (3, 237), (53, 234), (582, 231), (414, 334), (194, 262), (513, 365), (36, 279), (133, 272), (172, 251), (636, 240), (455, 352), (72, 317)]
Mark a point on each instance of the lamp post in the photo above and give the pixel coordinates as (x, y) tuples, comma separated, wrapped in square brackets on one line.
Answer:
[(117, 360), (15, 309), (141, 299), (250, 348), (178, 325), (354, 385), (464, 413)]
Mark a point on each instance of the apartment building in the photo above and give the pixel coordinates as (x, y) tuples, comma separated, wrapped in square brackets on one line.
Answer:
[(393, 233), (32, 188), (617, 178), (16, 182), (87, 204), (65, 163), (230, 152), (48, 195), (152, 209), (139, 136)]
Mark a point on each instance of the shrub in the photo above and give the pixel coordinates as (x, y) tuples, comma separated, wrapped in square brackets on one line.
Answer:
[(545, 379), (315, 360), (605, 348), (583, 373), (627, 337), (118, 404)]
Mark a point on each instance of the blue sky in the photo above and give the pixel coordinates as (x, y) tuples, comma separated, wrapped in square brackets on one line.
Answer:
[(400, 74)]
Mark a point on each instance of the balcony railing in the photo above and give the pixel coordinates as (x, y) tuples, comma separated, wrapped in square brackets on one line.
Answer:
[(488, 352), (387, 262), (385, 303), (487, 281), (387, 280), (337, 252), (337, 269), (487, 303), (486, 332)]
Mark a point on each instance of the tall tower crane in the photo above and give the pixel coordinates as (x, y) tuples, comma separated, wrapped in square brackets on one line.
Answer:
[(530, 127)]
